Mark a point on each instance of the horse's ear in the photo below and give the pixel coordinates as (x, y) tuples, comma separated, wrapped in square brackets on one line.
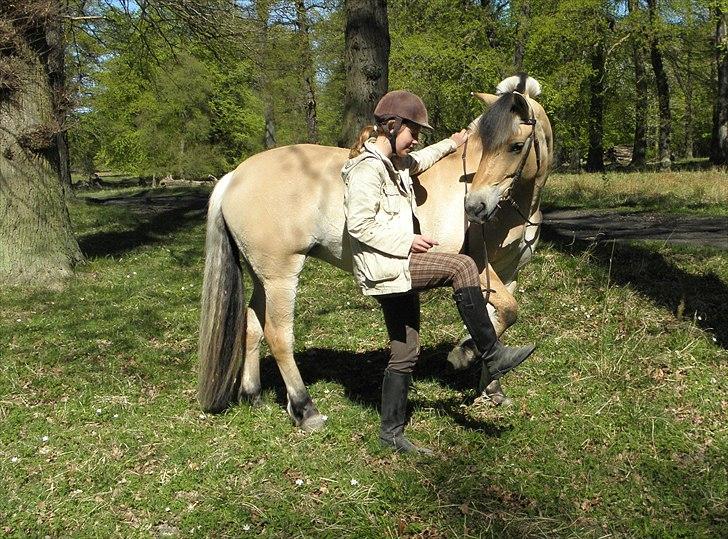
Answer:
[(488, 99), (521, 106)]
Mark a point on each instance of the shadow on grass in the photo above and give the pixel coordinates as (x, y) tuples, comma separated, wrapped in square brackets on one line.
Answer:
[(702, 297), (360, 374), (158, 218)]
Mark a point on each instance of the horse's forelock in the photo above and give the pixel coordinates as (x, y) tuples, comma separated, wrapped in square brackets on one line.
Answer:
[(501, 121)]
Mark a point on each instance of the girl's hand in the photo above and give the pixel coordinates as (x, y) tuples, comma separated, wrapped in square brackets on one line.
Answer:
[(460, 137), (422, 244)]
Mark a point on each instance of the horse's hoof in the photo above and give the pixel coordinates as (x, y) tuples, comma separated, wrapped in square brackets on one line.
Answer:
[(494, 393), (313, 423), (461, 358), (252, 398)]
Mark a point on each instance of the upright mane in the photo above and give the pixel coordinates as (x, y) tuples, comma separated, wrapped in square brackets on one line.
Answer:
[(504, 117)]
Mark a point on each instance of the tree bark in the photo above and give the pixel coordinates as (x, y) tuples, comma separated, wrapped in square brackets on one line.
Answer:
[(37, 246), (366, 58), (595, 155), (663, 90), (639, 146), (264, 78), (719, 142), (308, 71)]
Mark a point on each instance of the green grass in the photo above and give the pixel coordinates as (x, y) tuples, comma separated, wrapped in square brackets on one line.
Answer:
[(619, 425), (700, 193)]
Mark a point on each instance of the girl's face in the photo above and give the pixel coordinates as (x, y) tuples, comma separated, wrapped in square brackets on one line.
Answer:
[(407, 139)]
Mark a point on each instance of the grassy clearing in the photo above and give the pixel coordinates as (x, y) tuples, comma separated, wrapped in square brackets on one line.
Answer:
[(619, 425), (702, 193)]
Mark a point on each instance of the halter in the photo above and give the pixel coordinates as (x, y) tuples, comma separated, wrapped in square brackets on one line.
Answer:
[(532, 142)]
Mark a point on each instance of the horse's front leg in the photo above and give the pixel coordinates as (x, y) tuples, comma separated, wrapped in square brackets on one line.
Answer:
[(280, 295), (503, 310)]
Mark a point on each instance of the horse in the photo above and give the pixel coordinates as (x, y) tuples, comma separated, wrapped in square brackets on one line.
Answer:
[(283, 205)]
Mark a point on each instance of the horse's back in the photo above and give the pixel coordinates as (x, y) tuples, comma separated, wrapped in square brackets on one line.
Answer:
[(286, 200)]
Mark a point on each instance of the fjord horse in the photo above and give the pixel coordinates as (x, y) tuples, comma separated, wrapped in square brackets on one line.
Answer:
[(283, 205)]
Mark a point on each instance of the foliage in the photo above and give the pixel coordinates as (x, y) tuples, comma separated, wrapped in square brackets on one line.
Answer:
[(618, 425)]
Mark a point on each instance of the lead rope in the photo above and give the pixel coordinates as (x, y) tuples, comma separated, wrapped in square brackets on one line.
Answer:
[(465, 224)]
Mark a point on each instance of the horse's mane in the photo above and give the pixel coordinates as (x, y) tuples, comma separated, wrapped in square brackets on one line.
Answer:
[(501, 121), (504, 117)]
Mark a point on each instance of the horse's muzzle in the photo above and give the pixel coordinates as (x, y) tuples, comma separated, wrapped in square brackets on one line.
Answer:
[(481, 206)]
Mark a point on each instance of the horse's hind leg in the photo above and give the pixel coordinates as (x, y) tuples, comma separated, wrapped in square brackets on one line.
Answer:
[(250, 372), (280, 296)]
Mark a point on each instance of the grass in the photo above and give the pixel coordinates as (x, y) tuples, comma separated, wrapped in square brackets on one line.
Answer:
[(700, 193), (619, 425)]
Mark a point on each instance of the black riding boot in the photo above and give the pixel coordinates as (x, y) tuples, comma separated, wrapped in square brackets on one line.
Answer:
[(497, 357), (394, 413)]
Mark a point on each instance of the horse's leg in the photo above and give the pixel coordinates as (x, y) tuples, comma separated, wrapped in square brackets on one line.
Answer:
[(250, 372), (503, 309), (280, 296)]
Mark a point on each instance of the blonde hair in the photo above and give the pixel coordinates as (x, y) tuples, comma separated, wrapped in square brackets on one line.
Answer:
[(368, 132)]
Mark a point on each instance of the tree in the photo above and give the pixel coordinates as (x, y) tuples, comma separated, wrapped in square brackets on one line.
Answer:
[(639, 145), (37, 245), (367, 63), (719, 143), (663, 88)]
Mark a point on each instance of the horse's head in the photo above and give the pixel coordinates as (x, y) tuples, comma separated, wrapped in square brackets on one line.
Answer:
[(516, 138)]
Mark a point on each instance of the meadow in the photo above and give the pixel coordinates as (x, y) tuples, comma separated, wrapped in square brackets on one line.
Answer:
[(619, 425)]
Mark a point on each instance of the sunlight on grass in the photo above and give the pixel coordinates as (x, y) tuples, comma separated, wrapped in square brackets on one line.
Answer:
[(619, 425)]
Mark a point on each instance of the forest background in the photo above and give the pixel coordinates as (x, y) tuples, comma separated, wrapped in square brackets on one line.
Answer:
[(154, 96)]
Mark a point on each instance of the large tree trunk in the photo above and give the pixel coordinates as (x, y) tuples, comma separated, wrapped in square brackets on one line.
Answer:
[(366, 59), (719, 143), (37, 246), (595, 155), (308, 71), (639, 146), (663, 90)]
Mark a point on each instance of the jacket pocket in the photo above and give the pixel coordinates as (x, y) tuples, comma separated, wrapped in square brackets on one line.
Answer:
[(391, 199), (377, 268)]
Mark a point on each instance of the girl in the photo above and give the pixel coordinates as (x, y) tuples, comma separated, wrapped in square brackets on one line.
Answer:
[(391, 256)]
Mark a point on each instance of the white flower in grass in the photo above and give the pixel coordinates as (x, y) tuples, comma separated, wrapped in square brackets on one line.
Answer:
[(246, 527), (354, 482), (98, 411), (18, 320), (45, 438), (116, 416), (14, 460), (299, 482)]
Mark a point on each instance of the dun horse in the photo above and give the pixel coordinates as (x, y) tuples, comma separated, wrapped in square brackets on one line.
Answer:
[(283, 205)]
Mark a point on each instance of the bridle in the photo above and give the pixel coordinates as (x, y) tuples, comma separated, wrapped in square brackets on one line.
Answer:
[(532, 142)]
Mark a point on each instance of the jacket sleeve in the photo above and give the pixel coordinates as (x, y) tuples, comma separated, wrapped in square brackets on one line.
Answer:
[(421, 160), (361, 203)]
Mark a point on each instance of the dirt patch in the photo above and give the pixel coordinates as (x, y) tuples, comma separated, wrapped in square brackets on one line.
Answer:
[(590, 225)]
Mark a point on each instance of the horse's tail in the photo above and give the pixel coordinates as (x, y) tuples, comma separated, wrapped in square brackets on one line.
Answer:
[(222, 316)]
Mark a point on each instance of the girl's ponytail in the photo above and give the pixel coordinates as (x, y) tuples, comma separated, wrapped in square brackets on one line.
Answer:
[(364, 135)]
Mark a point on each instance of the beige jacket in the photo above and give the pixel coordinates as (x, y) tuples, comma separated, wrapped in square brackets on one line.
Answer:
[(379, 204)]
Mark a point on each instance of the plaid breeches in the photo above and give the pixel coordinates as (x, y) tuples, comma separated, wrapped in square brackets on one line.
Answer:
[(402, 311)]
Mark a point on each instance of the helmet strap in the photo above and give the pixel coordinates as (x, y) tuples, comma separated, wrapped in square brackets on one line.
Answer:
[(393, 134)]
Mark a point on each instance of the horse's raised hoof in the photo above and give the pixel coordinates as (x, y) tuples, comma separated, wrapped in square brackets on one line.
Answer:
[(462, 357), (313, 423), (493, 392)]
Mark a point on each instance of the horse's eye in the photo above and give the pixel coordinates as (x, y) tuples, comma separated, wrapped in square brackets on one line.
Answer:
[(516, 147)]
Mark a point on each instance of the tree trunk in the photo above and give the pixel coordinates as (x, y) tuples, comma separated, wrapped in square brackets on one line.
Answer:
[(522, 20), (639, 146), (663, 90), (308, 71), (688, 140), (595, 155), (264, 78), (37, 246), (719, 142), (366, 58)]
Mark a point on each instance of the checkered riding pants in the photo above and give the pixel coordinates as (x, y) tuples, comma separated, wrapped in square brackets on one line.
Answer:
[(402, 311)]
